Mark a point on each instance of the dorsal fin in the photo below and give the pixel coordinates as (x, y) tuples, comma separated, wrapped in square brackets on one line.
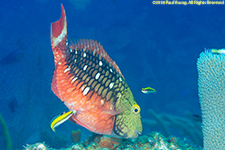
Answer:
[(96, 48)]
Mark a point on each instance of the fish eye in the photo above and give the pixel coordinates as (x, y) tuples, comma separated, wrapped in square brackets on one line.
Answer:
[(136, 109)]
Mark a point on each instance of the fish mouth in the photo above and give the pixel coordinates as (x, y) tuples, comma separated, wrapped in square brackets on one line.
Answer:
[(137, 133)]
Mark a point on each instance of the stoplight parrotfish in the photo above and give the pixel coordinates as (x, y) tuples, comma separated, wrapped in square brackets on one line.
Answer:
[(148, 90), (91, 84)]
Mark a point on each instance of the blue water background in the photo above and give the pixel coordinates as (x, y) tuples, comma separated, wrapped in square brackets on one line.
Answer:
[(153, 45)]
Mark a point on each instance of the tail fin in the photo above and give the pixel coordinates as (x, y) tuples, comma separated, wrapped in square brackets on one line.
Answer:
[(59, 36)]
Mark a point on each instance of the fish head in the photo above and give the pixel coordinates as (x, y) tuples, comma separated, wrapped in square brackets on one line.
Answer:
[(128, 123)]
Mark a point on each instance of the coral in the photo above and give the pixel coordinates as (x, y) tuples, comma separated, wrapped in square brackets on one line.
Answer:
[(211, 83), (75, 135), (37, 146), (108, 142), (6, 133), (151, 141), (191, 128)]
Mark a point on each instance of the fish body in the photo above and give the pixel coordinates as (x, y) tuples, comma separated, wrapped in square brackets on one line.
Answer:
[(61, 119), (89, 82), (218, 51), (195, 117), (148, 90)]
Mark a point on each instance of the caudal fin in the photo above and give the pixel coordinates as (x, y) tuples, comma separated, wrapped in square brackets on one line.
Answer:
[(59, 36)]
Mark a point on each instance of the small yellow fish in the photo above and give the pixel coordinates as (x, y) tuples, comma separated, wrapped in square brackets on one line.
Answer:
[(148, 90), (218, 51), (61, 119)]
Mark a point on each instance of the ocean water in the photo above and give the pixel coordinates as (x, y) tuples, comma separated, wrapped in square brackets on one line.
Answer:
[(153, 45)]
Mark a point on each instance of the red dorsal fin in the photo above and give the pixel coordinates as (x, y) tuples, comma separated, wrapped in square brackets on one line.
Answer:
[(96, 48), (59, 36)]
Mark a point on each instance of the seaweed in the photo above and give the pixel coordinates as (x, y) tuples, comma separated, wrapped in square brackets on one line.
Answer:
[(6, 133)]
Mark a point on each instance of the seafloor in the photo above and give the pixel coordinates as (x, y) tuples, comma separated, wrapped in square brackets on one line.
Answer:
[(152, 141)]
